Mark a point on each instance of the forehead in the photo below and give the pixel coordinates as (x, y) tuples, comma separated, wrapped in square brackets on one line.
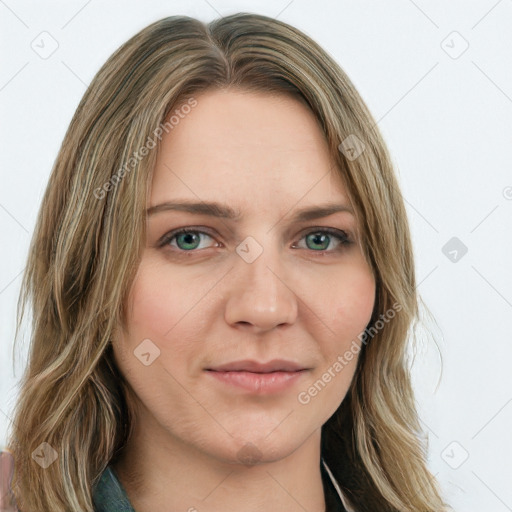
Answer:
[(246, 145)]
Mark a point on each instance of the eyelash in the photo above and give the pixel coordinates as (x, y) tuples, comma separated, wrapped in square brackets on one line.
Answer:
[(339, 234)]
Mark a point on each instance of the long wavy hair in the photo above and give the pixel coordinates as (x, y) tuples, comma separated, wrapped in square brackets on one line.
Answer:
[(89, 236)]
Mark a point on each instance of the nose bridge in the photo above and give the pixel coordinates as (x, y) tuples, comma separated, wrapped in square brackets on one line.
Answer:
[(260, 294)]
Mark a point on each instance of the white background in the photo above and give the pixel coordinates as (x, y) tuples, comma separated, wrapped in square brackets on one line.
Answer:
[(447, 119)]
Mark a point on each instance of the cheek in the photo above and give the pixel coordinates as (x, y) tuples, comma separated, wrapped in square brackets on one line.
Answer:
[(352, 302), (157, 310), (349, 305), (154, 306), (166, 308), (164, 303)]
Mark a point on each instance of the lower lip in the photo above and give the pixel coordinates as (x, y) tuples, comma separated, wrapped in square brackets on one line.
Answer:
[(259, 382)]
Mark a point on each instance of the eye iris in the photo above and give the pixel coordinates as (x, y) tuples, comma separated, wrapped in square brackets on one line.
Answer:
[(316, 237), (187, 237), (190, 240)]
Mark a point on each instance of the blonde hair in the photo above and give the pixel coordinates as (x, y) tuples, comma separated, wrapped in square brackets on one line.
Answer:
[(91, 230)]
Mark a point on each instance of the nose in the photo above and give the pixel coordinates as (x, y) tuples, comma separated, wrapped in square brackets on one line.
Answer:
[(261, 295)]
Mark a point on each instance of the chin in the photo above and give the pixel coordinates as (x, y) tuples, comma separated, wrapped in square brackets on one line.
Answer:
[(253, 450)]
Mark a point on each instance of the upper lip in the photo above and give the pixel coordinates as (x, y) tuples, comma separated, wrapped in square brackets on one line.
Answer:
[(275, 365)]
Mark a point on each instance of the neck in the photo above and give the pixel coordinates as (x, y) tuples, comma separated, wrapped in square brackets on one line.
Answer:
[(159, 472)]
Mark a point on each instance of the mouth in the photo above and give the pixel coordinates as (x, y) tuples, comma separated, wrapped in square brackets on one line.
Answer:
[(276, 365), (270, 377)]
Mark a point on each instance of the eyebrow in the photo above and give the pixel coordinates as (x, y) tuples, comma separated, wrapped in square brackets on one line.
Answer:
[(223, 211)]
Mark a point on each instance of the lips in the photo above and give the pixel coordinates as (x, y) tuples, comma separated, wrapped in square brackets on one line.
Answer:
[(276, 365), (270, 377)]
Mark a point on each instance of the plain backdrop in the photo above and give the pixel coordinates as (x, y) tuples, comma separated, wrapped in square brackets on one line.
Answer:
[(437, 77)]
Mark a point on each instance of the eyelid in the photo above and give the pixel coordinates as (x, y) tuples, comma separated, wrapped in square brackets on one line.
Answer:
[(344, 236), (178, 231)]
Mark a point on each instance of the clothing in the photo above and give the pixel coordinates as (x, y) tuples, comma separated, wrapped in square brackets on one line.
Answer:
[(110, 496)]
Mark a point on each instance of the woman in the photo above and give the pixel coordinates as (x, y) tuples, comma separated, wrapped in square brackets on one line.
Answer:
[(222, 282)]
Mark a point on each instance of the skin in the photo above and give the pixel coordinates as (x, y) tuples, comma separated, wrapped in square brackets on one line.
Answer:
[(200, 444)]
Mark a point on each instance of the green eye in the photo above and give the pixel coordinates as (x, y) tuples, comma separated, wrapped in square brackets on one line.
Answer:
[(321, 239), (317, 239), (187, 239)]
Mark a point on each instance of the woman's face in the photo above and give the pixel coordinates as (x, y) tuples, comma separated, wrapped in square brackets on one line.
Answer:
[(239, 333)]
